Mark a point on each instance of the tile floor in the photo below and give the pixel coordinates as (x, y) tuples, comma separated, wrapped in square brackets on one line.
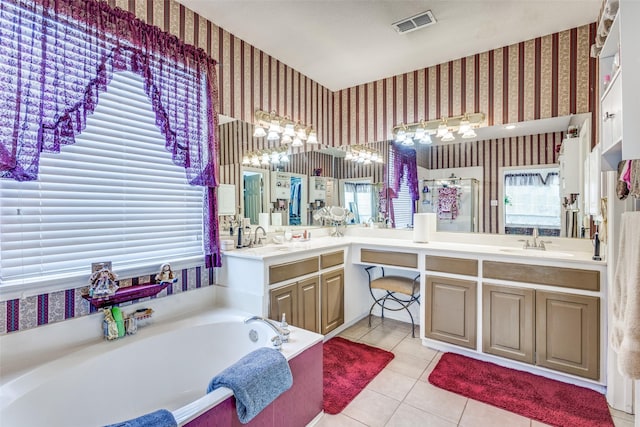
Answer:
[(401, 395)]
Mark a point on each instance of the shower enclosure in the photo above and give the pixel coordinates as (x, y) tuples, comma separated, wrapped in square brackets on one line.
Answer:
[(453, 200)]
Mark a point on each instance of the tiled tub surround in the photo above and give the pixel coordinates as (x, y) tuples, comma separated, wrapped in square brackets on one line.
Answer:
[(26, 313), (166, 365)]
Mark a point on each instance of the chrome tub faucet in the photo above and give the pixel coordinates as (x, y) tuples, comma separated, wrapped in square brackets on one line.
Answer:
[(280, 334)]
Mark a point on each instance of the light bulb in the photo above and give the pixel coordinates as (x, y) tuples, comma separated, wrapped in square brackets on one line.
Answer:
[(312, 138), (273, 136), (464, 126), (259, 132), (426, 139), (288, 130), (442, 130), (448, 137), (297, 142), (469, 134)]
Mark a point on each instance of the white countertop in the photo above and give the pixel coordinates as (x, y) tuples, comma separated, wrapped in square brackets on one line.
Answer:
[(497, 247)]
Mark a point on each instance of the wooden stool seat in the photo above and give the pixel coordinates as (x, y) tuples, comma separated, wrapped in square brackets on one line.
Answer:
[(403, 285), (399, 291)]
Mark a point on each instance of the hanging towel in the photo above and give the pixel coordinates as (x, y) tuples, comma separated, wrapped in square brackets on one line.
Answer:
[(159, 418), (634, 179), (256, 380), (625, 298), (447, 203)]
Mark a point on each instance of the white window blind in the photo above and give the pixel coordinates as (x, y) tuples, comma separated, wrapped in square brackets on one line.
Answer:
[(403, 204), (115, 195)]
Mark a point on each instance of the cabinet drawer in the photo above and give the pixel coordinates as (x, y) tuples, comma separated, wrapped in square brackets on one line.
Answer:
[(588, 280), (467, 267), (399, 259), (332, 259), (290, 270)]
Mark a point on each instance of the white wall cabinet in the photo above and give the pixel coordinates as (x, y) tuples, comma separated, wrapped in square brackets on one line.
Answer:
[(620, 66), (570, 167)]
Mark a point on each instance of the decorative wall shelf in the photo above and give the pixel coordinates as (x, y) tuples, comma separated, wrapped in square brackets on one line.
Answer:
[(127, 294)]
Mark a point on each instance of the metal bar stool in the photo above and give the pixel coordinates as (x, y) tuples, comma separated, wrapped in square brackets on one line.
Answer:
[(409, 290)]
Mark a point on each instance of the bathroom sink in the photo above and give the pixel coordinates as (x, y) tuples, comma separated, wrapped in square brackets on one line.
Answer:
[(537, 253)]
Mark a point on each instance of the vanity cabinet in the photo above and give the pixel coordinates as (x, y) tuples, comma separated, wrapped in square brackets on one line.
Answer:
[(567, 333), (332, 292), (450, 310), (508, 322), (557, 330), (313, 297), (299, 301)]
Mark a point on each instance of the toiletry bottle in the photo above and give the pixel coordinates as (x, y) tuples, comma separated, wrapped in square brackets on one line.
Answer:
[(596, 247), (240, 240), (284, 327)]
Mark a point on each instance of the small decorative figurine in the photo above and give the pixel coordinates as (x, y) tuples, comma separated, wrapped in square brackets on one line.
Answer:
[(166, 274), (103, 283)]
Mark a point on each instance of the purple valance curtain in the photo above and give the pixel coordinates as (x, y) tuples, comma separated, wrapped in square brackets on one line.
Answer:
[(57, 56)]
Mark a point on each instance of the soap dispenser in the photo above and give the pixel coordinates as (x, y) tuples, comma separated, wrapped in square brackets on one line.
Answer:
[(284, 328), (596, 247)]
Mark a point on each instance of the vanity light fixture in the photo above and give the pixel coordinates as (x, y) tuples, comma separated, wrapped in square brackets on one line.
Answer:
[(444, 129), (266, 157), (363, 155), (283, 129)]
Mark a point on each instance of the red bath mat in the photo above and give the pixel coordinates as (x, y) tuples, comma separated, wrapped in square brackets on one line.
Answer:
[(543, 399), (347, 368)]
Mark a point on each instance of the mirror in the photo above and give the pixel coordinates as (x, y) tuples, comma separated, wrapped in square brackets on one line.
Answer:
[(530, 144)]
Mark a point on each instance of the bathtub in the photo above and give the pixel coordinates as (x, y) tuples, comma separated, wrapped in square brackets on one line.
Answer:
[(162, 366)]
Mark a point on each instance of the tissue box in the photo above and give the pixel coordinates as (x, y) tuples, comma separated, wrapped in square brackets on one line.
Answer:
[(226, 245)]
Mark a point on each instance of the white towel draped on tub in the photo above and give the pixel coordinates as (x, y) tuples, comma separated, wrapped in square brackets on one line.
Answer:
[(625, 297)]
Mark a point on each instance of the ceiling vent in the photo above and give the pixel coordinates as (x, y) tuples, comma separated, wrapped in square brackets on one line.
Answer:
[(413, 23)]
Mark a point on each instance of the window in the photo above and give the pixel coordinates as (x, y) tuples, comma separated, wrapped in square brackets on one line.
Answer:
[(403, 205), (531, 199), (402, 178), (360, 198), (115, 195)]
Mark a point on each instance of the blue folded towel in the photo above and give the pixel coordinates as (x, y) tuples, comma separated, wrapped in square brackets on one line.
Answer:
[(256, 380), (159, 418)]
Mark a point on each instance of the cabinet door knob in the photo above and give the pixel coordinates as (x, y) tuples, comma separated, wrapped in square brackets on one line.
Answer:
[(608, 115)]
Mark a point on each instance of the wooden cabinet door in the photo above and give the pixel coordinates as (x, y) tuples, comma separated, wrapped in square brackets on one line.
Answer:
[(568, 333), (507, 322), (285, 300), (332, 300), (309, 304), (450, 311)]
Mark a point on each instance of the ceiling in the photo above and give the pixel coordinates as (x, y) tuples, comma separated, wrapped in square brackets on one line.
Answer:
[(344, 43)]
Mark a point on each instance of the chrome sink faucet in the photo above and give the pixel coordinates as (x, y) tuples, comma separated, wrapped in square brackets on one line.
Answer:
[(536, 243), (278, 339), (534, 234), (259, 241)]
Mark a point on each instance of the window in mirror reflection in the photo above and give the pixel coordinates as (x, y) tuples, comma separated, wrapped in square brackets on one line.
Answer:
[(532, 200), (359, 198), (252, 189)]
